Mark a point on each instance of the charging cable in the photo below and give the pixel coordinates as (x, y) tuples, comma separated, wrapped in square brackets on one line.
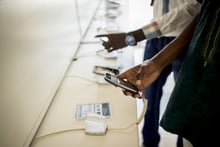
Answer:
[(97, 125), (110, 129), (143, 112)]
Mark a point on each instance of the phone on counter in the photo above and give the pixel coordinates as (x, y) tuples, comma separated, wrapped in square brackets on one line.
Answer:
[(101, 70), (112, 79)]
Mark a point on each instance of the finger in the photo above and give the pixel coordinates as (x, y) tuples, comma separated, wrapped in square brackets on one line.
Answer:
[(122, 75), (107, 45), (110, 49), (128, 93), (139, 76), (124, 92), (102, 35), (139, 95)]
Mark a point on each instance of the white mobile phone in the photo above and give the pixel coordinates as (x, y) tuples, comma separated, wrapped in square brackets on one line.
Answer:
[(120, 83)]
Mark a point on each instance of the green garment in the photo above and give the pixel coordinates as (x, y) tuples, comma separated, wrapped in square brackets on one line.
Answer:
[(193, 110)]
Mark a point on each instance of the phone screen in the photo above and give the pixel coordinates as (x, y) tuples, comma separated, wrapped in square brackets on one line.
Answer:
[(120, 83)]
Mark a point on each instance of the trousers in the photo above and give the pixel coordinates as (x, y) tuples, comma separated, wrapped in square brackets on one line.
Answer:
[(153, 93)]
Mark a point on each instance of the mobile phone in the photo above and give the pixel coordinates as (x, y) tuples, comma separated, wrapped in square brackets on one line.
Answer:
[(112, 79), (101, 70)]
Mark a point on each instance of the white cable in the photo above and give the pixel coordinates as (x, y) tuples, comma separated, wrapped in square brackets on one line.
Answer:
[(143, 112), (80, 129)]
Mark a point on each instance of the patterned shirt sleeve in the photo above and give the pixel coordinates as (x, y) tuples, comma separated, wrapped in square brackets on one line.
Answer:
[(152, 30)]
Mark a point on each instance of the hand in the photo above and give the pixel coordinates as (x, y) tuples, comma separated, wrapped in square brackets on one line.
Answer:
[(141, 76), (114, 41)]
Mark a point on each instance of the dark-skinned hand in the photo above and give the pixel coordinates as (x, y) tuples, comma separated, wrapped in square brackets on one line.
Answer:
[(141, 76), (113, 41)]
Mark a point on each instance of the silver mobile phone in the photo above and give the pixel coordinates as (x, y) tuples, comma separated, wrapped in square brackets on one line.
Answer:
[(120, 83)]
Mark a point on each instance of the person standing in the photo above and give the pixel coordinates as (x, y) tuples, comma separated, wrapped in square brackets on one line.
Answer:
[(193, 107), (172, 17)]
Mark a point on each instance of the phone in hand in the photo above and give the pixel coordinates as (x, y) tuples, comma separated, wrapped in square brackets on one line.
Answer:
[(112, 79)]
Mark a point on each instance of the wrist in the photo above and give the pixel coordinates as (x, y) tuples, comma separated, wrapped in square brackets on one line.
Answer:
[(151, 30), (138, 35), (130, 40)]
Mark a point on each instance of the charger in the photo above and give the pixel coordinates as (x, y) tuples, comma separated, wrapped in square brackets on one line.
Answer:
[(95, 124)]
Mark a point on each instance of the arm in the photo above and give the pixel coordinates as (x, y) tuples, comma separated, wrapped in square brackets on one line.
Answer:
[(176, 47), (116, 41), (144, 74), (169, 24)]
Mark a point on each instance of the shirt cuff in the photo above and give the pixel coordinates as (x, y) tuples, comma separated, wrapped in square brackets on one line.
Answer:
[(151, 31)]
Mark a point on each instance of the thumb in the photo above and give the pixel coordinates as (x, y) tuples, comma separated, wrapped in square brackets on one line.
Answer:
[(139, 77)]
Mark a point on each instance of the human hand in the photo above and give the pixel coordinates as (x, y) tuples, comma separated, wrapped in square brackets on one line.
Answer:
[(141, 76), (114, 41)]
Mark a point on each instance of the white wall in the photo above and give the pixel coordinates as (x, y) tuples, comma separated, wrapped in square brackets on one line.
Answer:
[(37, 42)]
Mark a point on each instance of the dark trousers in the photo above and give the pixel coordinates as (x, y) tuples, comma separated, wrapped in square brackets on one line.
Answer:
[(153, 93)]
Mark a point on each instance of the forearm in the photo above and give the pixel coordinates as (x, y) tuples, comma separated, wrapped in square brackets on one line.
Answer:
[(138, 35), (175, 48)]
